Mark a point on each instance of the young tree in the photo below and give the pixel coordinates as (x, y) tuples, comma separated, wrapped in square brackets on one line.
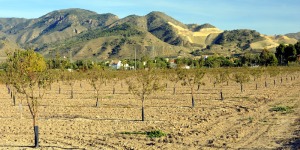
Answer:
[(142, 84), (192, 78), (113, 77), (96, 78), (241, 77), (221, 76), (29, 77), (70, 79), (175, 77), (256, 73)]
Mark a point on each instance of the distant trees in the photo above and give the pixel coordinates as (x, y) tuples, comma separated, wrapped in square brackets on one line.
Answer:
[(268, 58), (287, 53)]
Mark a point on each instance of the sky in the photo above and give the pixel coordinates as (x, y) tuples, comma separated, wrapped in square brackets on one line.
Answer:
[(265, 16)]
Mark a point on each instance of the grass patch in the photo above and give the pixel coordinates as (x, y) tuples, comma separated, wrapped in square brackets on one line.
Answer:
[(283, 109), (150, 134)]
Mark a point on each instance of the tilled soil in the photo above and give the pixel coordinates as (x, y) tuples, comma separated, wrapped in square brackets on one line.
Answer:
[(242, 120)]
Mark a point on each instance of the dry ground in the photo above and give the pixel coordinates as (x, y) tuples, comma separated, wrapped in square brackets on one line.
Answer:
[(241, 121)]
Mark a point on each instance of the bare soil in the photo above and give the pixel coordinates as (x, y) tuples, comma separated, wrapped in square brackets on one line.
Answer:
[(240, 121)]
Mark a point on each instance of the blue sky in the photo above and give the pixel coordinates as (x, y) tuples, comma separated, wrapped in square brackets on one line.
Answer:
[(265, 16)]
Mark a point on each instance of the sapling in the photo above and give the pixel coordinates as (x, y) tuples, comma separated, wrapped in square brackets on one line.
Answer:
[(144, 83), (192, 78), (29, 75), (241, 78)]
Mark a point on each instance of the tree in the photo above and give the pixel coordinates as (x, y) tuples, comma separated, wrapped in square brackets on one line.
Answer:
[(268, 58), (241, 78), (221, 76), (290, 52), (96, 78), (192, 78), (297, 47), (29, 77), (144, 83), (175, 77), (70, 78), (280, 50), (256, 73)]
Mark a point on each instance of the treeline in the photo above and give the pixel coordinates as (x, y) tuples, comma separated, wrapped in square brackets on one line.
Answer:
[(285, 55)]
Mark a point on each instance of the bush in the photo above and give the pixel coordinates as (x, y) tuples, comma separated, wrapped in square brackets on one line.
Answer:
[(155, 134), (150, 134), (283, 109)]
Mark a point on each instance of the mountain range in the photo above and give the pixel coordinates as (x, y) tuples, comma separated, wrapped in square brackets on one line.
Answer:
[(83, 34)]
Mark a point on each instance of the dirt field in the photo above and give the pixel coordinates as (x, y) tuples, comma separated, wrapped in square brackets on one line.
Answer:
[(241, 121)]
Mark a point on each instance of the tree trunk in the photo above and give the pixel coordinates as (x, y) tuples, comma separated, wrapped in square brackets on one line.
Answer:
[(193, 100), (198, 88), (274, 82), (143, 113), (14, 100), (256, 86), (36, 132), (59, 89), (266, 85), (281, 80), (72, 94), (36, 136), (221, 94), (114, 90), (97, 102), (174, 90), (241, 87)]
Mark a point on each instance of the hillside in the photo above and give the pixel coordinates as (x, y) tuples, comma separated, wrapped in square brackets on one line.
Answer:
[(85, 34), (294, 35), (6, 46)]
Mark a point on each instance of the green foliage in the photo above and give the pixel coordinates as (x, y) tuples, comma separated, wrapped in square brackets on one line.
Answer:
[(243, 38), (150, 134), (241, 77), (215, 62), (268, 58), (155, 134), (287, 53), (283, 109)]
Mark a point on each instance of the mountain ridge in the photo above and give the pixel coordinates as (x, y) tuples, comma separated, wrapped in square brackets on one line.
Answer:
[(106, 36)]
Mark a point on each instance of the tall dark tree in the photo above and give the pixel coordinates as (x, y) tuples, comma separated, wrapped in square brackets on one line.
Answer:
[(290, 53), (280, 54)]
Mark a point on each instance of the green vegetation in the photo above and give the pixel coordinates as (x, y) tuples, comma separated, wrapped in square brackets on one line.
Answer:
[(242, 38), (283, 109), (150, 134), (287, 53), (27, 72)]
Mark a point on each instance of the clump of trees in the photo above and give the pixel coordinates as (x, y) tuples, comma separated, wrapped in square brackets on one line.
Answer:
[(287, 53)]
